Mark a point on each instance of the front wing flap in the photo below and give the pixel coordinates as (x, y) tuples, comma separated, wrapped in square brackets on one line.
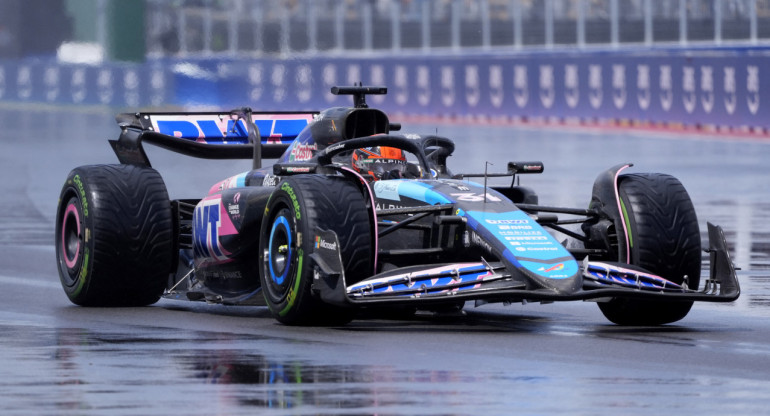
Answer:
[(494, 282)]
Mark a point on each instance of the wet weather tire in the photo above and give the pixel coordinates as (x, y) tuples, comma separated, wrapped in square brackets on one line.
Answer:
[(664, 239), (298, 206), (114, 236)]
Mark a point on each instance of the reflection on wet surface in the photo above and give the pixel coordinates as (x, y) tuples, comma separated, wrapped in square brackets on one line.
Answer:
[(194, 372)]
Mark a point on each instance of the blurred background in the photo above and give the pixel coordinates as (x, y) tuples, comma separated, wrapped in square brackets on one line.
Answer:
[(648, 63)]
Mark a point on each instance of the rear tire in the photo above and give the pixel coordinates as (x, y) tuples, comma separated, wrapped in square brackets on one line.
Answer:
[(114, 236), (298, 206), (665, 240)]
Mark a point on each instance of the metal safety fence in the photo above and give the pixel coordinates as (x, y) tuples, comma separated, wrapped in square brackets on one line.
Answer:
[(203, 27)]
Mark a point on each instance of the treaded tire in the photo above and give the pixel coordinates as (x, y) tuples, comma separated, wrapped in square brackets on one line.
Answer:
[(298, 205), (114, 235), (665, 239)]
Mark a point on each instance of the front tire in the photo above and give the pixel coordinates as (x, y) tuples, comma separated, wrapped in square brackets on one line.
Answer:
[(664, 239), (300, 205), (114, 236)]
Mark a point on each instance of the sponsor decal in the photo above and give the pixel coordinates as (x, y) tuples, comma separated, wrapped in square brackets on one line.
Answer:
[(707, 88), (520, 86), (271, 180), (2, 82), (497, 222), (329, 75), (51, 82), (387, 190), (571, 85), (377, 75), (379, 206), (496, 87), (291, 297), (472, 85), (474, 197), (460, 186), (730, 88), (104, 83), (256, 75), (354, 74), (24, 82), (619, 86), (547, 86), (131, 88), (158, 87), (278, 81), (477, 240), (83, 201), (301, 152), (401, 84), (447, 86), (321, 243), (304, 87), (78, 85), (527, 238), (643, 86), (666, 87), (688, 89), (423, 85), (595, 91), (223, 275), (206, 223), (555, 268), (752, 88), (232, 182), (234, 210), (334, 147), (222, 128), (514, 227), (84, 269), (293, 196)]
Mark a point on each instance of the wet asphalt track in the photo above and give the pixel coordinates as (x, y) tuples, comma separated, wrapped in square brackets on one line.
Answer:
[(186, 358)]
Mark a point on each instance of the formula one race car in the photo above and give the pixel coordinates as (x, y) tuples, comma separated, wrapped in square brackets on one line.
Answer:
[(354, 217)]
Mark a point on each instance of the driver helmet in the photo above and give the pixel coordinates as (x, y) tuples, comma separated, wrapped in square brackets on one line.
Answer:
[(381, 162)]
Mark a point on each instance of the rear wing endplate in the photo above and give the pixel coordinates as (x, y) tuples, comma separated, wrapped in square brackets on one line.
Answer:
[(209, 135)]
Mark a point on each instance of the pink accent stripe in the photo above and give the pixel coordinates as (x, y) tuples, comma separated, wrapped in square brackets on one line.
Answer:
[(70, 209), (622, 215), (374, 214), (660, 279)]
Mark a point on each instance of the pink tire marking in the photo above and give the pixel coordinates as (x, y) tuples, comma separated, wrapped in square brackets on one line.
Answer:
[(71, 210)]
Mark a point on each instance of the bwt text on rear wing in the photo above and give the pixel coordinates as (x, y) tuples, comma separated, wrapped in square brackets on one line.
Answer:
[(209, 135)]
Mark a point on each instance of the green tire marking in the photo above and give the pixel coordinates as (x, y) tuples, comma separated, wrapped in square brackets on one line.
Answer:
[(291, 297), (83, 273), (627, 224)]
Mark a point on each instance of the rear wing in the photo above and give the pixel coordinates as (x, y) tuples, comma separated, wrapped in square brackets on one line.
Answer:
[(209, 135)]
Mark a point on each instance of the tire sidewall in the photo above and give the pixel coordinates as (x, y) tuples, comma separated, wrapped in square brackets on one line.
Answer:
[(126, 240), (627, 311), (635, 255), (75, 209), (286, 298)]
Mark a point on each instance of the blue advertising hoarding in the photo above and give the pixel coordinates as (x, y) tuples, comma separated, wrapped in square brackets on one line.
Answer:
[(721, 87)]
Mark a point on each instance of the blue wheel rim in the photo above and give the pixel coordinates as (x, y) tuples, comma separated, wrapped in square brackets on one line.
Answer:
[(281, 230)]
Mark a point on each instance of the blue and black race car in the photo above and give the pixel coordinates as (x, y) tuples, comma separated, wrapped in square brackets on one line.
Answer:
[(353, 216)]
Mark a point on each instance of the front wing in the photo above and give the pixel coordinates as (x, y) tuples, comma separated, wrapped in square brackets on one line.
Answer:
[(493, 282)]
